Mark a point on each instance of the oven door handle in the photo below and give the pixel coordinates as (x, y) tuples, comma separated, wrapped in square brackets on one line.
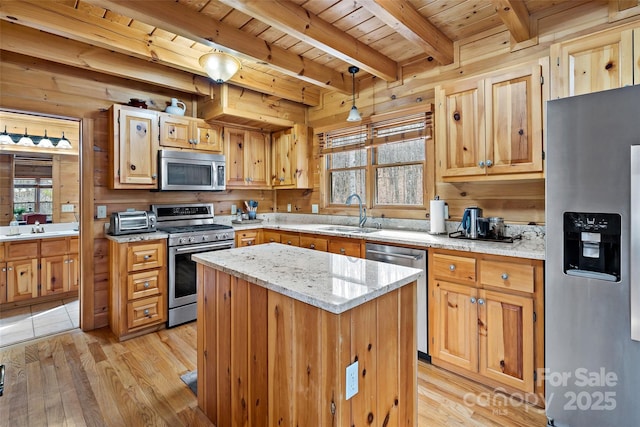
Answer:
[(194, 248)]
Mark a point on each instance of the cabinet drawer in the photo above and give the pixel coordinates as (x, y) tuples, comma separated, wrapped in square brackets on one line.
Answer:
[(456, 268), (291, 239), (345, 247), (22, 250), (146, 311), (142, 256), (50, 247), (271, 236), (316, 243), (507, 275), (143, 284)]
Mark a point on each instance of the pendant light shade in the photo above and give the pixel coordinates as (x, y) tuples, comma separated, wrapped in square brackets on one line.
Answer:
[(354, 114), (219, 66)]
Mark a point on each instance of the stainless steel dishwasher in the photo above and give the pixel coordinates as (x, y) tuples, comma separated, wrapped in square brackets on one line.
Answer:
[(415, 258)]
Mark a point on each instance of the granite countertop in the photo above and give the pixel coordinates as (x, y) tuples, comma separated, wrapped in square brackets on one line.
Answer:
[(525, 248), (335, 283), (137, 237)]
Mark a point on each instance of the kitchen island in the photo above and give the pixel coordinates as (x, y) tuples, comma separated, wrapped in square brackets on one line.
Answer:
[(278, 326)]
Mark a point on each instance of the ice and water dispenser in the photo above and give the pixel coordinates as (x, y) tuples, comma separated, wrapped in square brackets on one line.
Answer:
[(592, 245)]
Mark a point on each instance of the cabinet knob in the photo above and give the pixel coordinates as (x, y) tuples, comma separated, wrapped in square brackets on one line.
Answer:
[(452, 267), (271, 240), (154, 176), (146, 285), (343, 250), (4, 269), (473, 300), (288, 242), (489, 163), (70, 261), (195, 142), (147, 257), (250, 242), (481, 163), (10, 269), (281, 179), (146, 312), (132, 167), (312, 246), (504, 276), (480, 301)]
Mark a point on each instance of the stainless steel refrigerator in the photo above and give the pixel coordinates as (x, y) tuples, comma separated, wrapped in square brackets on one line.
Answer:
[(592, 269)]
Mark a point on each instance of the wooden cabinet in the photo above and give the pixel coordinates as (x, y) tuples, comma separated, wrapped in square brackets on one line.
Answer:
[(22, 270), (138, 292), (189, 133), (38, 268), (491, 126), (314, 242), (606, 60), (247, 156), (487, 318), (133, 151), (290, 157), (248, 238), (349, 247), (270, 236)]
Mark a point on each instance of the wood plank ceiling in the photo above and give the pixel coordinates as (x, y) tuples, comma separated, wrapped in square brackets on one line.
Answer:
[(289, 49)]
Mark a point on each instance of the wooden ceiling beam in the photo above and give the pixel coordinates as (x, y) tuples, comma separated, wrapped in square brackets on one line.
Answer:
[(55, 18), (35, 43), (298, 22), (408, 22), (515, 16), (176, 18)]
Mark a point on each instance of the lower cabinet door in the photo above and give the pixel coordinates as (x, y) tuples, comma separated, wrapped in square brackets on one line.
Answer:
[(456, 330), (54, 275), (506, 339), (22, 280), (74, 272), (145, 312)]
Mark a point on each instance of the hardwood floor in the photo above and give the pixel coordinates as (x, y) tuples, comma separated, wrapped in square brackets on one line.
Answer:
[(90, 379)]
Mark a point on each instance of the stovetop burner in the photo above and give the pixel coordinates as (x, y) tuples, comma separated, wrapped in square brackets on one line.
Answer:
[(194, 228)]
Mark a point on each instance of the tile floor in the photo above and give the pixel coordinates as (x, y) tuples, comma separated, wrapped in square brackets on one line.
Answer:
[(38, 320)]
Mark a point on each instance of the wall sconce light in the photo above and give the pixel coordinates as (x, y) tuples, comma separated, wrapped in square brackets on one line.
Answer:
[(219, 66), (354, 114)]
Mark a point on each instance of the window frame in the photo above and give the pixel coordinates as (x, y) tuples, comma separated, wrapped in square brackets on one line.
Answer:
[(372, 165), (38, 187)]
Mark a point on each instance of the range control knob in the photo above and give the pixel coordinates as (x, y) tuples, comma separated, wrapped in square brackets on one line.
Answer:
[(224, 236), (192, 239), (181, 240), (204, 238)]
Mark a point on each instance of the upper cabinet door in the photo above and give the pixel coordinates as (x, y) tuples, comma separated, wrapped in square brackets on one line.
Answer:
[(175, 131), (460, 127), (283, 157), (234, 152), (513, 106), (207, 137), (256, 155), (135, 148), (594, 63)]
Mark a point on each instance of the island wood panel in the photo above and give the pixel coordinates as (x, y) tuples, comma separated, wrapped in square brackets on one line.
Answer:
[(244, 330)]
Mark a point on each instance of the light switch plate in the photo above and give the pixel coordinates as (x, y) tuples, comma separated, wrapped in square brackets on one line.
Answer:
[(101, 211), (314, 208), (68, 207), (288, 207)]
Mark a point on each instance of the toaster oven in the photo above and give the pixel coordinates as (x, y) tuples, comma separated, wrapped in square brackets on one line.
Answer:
[(130, 222)]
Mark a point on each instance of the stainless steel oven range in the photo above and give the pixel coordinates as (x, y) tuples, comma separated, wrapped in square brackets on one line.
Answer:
[(191, 230)]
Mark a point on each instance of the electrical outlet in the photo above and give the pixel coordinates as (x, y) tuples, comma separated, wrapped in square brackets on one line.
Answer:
[(288, 207), (101, 211), (352, 380), (314, 208), (234, 209), (68, 207)]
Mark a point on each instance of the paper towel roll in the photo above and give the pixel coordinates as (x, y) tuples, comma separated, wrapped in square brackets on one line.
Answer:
[(436, 216)]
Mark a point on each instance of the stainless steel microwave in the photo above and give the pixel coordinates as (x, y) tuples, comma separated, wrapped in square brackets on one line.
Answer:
[(190, 171)]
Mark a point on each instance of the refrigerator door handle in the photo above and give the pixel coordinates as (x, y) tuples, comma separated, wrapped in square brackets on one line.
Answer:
[(634, 255)]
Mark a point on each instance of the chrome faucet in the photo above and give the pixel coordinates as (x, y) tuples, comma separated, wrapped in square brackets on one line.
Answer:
[(362, 210)]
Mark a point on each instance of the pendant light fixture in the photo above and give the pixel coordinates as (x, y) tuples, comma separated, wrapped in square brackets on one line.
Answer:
[(219, 66), (354, 114)]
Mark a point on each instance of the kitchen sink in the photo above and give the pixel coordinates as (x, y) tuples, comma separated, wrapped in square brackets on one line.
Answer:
[(347, 229)]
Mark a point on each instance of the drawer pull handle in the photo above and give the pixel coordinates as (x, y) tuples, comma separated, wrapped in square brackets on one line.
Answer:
[(473, 300), (452, 267), (146, 285), (147, 257), (343, 250), (504, 276), (480, 301), (312, 246), (288, 242), (146, 312)]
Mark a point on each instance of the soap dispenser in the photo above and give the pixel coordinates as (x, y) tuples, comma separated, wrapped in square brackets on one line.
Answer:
[(14, 228)]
